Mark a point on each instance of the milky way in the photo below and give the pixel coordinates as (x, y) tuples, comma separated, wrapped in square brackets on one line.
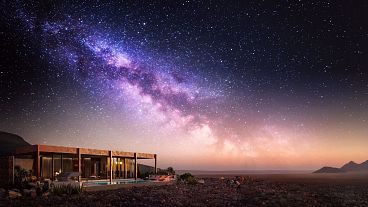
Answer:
[(207, 84)]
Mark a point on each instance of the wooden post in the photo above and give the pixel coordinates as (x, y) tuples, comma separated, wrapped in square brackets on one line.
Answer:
[(125, 169), (38, 162), (13, 169), (135, 166), (155, 163), (79, 165), (110, 152), (52, 167), (61, 162), (107, 168)]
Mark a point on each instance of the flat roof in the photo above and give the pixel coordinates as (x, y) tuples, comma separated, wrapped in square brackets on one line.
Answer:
[(84, 151)]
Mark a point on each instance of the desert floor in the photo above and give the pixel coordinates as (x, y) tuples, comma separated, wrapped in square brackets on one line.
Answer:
[(224, 190)]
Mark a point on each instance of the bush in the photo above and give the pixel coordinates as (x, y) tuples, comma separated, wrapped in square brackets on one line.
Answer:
[(168, 171), (191, 180), (21, 176), (66, 189), (186, 176), (171, 171)]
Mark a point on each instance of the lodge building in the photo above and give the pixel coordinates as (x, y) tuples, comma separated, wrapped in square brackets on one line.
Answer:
[(46, 162)]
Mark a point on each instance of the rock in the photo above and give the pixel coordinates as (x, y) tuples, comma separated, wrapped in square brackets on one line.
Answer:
[(283, 202), (201, 181), (2, 192), (39, 191), (34, 185), (26, 192), (45, 194), (33, 194), (13, 194), (222, 178), (16, 190)]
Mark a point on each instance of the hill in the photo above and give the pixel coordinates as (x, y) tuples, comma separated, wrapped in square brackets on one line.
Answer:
[(9, 142)]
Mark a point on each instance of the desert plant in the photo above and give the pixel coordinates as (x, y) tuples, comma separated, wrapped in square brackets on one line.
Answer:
[(185, 176), (188, 178), (168, 171), (192, 180), (171, 170), (66, 189), (20, 177)]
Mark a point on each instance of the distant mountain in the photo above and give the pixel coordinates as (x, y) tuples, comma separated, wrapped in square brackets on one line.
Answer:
[(329, 170), (9, 142), (348, 167), (364, 165)]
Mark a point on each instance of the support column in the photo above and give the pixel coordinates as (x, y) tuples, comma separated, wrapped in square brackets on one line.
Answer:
[(13, 169), (135, 166), (53, 166), (107, 168), (110, 153), (38, 162), (155, 163), (61, 162), (79, 165), (125, 169)]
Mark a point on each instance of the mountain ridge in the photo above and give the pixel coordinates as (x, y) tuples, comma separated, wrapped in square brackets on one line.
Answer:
[(348, 167)]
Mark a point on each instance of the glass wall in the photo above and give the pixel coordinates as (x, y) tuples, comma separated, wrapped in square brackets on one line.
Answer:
[(94, 167), (62, 163), (46, 166), (119, 170)]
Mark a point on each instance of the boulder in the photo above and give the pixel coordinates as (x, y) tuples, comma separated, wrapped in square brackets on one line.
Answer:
[(33, 194), (2, 192), (45, 194), (26, 192), (14, 194), (201, 181)]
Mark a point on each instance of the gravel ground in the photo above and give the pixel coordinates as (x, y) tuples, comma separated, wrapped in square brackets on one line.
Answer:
[(215, 192)]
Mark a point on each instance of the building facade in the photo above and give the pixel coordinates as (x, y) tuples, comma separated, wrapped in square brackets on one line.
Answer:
[(47, 162)]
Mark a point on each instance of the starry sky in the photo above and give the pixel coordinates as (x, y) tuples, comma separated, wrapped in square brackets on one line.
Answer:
[(214, 85)]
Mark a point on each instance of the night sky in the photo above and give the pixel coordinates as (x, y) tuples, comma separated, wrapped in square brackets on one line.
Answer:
[(206, 85)]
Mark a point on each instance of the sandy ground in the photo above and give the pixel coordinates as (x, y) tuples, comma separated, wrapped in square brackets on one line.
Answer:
[(254, 190)]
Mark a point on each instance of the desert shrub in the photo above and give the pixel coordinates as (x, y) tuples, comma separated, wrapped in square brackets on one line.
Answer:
[(186, 176), (168, 171), (145, 175), (171, 171), (191, 180), (66, 189), (20, 177)]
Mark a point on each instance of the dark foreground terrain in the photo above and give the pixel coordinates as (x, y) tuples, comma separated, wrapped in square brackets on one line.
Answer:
[(254, 190)]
